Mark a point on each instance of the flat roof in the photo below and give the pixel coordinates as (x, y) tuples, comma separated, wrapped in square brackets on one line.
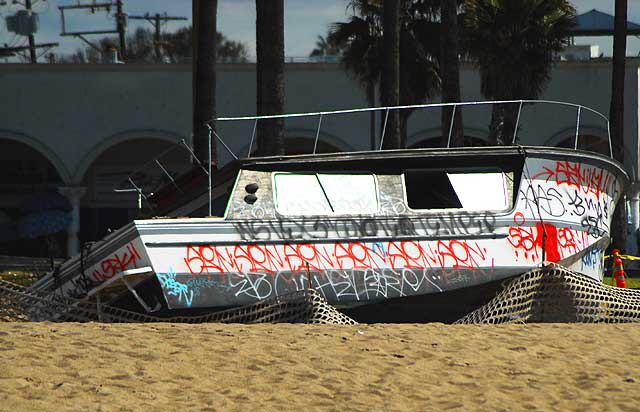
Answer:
[(597, 23)]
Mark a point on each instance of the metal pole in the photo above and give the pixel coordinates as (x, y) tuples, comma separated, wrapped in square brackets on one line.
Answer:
[(384, 129), (575, 146), (253, 135), (224, 144), (315, 143), (453, 116), (120, 28), (209, 167), (32, 41), (609, 136), (515, 130)]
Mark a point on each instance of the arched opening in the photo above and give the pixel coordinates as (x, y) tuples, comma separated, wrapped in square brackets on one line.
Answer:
[(28, 195), (111, 200), (588, 142)]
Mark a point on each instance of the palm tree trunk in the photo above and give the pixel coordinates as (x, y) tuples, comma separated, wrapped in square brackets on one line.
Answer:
[(450, 73), (496, 125), (270, 75), (391, 72), (616, 114), (404, 119), (371, 101), (503, 123), (205, 78)]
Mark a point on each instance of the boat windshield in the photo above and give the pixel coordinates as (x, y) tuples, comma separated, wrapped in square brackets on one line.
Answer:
[(465, 190), (299, 194)]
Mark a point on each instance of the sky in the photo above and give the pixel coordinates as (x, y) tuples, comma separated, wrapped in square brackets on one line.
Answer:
[(305, 20)]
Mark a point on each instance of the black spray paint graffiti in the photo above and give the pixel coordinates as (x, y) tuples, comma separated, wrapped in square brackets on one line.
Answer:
[(549, 200), (593, 214), (593, 226), (337, 286), (310, 228)]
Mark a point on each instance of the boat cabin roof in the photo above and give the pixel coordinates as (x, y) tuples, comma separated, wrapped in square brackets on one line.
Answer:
[(401, 159)]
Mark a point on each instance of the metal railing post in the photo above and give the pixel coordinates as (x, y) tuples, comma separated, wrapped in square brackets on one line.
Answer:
[(453, 116), (209, 167), (575, 145), (609, 136), (167, 174), (193, 155), (141, 195), (223, 144), (515, 130), (253, 135), (384, 129), (315, 143)]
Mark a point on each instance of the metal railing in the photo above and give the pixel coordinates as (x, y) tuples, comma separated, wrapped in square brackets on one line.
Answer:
[(386, 110), (130, 183), (133, 186)]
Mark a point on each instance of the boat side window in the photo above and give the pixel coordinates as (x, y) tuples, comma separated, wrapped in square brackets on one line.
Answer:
[(464, 190), (325, 194)]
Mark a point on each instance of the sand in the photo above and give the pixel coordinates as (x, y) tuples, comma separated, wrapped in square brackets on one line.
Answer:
[(179, 367)]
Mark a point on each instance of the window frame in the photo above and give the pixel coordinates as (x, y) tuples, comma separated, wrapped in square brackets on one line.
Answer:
[(511, 197), (335, 214)]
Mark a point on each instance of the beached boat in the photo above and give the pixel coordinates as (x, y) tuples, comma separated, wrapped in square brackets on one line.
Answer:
[(361, 228)]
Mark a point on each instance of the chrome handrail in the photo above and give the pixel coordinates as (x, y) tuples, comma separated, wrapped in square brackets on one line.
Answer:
[(321, 114)]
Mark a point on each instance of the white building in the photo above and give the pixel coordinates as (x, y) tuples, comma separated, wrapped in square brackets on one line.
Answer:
[(81, 129)]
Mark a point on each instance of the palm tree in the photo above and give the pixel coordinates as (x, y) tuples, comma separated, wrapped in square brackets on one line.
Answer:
[(390, 81), (616, 113), (325, 47), (361, 42), (270, 75), (513, 43), (204, 107), (450, 72)]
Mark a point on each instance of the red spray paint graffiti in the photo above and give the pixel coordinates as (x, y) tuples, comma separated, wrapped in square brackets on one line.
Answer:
[(116, 263), (557, 243), (352, 255), (587, 179)]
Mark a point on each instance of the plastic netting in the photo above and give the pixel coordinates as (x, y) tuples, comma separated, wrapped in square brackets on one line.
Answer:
[(548, 294), (304, 306), (555, 294)]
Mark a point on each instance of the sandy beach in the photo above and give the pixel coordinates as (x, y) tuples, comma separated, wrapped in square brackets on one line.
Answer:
[(169, 367)]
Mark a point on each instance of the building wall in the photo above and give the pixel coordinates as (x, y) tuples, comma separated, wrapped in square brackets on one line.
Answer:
[(73, 113), (83, 118)]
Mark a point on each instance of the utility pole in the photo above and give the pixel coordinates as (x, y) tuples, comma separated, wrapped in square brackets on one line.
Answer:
[(24, 23), (32, 41), (120, 17), (157, 20), (121, 24)]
